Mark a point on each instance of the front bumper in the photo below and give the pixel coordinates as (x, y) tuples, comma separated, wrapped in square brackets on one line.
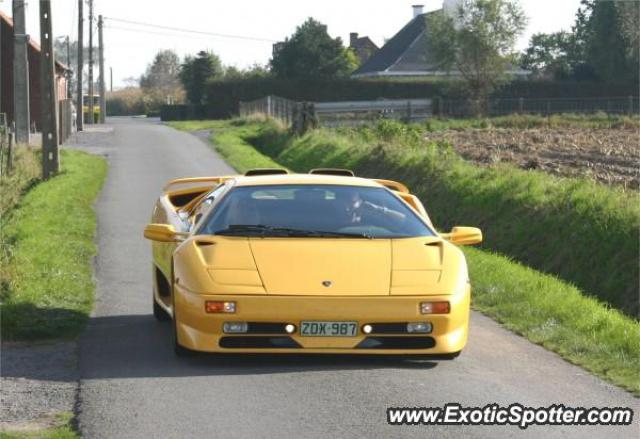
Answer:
[(197, 330)]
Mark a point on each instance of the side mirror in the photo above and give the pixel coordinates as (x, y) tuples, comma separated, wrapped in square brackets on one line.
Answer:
[(161, 233), (464, 235)]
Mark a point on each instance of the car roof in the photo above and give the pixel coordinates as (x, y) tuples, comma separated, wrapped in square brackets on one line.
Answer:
[(319, 179)]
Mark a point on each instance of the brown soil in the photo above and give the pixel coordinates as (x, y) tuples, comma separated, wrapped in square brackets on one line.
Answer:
[(610, 156)]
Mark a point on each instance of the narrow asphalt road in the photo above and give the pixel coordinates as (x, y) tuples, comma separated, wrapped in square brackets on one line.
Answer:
[(132, 386)]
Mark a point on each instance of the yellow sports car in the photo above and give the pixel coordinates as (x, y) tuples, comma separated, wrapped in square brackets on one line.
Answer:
[(324, 262)]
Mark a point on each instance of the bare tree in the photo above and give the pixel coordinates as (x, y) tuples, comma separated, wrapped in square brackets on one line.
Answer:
[(161, 80)]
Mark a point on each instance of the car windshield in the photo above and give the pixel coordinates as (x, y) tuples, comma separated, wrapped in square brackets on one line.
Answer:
[(313, 211)]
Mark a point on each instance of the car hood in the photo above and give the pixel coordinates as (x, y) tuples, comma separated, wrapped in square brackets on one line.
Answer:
[(322, 266)]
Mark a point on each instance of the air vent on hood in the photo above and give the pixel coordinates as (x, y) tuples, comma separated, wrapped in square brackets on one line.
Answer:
[(333, 171), (265, 171)]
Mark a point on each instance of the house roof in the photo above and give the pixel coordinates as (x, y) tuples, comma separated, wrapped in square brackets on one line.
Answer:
[(34, 45), (407, 54), (407, 51)]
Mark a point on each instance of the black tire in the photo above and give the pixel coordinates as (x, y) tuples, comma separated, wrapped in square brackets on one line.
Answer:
[(159, 313)]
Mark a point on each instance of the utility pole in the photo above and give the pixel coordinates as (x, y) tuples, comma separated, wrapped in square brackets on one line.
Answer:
[(20, 74), (111, 79), (79, 104), (69, 89), (90, 119), (103, 107), (49, 108)]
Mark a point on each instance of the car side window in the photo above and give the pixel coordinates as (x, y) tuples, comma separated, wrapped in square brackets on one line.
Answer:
[(204, 205)]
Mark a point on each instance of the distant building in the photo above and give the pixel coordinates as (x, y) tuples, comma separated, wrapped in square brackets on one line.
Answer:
[(407, 53), (363, 47), (6, 79)]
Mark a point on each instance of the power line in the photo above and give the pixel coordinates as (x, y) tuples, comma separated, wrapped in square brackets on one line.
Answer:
[(151, 32), (178, 29)]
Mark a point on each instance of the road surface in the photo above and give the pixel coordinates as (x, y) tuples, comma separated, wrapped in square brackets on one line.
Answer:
[(132, 386)]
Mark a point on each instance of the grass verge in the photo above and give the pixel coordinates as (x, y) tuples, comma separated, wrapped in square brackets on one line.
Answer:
[(557, 316), (230, 142), (62, 430), (47, 249), (539, 306)]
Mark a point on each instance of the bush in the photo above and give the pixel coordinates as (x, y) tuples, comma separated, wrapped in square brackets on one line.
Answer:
[(133, 101), (127, 102)]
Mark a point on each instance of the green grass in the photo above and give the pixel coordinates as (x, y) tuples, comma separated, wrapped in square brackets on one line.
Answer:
[(48, 247), (62, 430), (231, 144), (541, 307), (557, 316)]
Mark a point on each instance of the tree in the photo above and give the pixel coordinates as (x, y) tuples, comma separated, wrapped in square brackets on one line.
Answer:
[(478, 41), (196, 71), (550, 55), (607, 33), (629, 19), (311, 53), (161, 78), (253, 72)]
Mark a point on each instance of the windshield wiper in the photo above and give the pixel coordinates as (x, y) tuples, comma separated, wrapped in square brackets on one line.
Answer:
[(262, 230), (322, 233), (243, 229)]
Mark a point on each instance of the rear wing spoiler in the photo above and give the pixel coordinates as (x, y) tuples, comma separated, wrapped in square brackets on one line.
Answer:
[(404, 193), (393, 185), (209, 181)]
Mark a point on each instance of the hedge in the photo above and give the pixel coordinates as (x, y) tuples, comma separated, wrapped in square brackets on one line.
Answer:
[(224, 96)]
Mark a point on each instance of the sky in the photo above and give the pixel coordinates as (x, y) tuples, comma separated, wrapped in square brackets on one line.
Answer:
[(130, 47)]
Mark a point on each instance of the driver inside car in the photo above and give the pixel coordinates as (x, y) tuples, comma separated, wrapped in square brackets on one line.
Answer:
[(356, 207)]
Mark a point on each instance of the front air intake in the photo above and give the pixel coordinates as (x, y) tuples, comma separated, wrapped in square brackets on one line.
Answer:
[(258, 342), (397, 342)]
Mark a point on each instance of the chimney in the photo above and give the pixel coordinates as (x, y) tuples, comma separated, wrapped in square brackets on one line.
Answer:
[(353, 39), (417, 10)]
